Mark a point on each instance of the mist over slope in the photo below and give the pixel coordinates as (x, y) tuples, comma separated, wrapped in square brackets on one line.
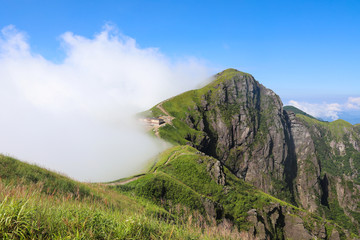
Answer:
[(77, 116)]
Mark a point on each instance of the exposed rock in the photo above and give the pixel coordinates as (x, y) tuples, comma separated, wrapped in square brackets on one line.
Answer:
[(213, 209), (216, 171), (248, 130), (321, 233), (258, 230), (277, 222), (334, 235), (294, 228), (338, 147), (308, 168), (354, 143)]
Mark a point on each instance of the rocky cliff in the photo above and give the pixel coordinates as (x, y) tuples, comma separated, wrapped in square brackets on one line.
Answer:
[(294, 157)]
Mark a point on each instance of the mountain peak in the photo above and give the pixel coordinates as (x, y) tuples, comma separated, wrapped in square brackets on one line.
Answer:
[(231, 71), (230, 74)]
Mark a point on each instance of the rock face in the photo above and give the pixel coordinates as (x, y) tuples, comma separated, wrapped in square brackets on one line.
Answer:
[(246, 129), (299, 159), (275, 222), (217, 173), (307, 184)]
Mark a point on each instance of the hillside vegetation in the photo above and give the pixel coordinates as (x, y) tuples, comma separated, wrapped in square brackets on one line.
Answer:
[(181, 197), (241, 167), (38, 204)]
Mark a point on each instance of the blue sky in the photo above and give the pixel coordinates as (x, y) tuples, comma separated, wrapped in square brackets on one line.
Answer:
[(306, 51)]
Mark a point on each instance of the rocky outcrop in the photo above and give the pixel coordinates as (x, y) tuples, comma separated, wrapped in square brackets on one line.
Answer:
[(212, 209), (245, 128), (312, 164), (307, 184), (281, 222), (217, 172)]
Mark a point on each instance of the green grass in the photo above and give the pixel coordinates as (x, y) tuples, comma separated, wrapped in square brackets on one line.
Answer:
[(224, 75), (15, 171), (38, 204), (35, 216), (338, 128), (180, 133)]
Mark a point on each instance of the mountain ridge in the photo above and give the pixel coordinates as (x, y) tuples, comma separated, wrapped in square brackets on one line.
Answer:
[(238, 121)]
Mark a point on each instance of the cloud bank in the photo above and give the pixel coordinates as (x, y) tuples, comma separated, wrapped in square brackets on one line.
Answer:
[(328, 111), (76, 116), (353, 103)]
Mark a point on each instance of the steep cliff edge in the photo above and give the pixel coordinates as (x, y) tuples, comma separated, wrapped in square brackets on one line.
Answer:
[(240, 122), (294, 157), (337, 150)]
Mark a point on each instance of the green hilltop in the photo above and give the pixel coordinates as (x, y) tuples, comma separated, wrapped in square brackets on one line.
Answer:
[(297, 111)]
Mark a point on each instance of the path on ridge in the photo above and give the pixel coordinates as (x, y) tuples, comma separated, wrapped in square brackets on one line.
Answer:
[(167, 118), (123, 182)]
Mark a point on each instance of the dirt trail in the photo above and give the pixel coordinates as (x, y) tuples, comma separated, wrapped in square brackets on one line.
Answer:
[(182, 183), (123, 182), (175, 155), (172, 156), (159, 106), (167, 118)]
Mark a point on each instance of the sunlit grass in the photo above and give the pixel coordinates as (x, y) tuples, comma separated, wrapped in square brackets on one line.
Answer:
[(29, 210)]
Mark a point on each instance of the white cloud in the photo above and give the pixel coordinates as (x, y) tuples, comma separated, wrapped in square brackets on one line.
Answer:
[(323, 110), (327, 110), (353, 103), (75, 116)]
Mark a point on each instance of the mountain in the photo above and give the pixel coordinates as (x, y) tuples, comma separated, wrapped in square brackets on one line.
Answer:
[(294, 157), (242, 167)]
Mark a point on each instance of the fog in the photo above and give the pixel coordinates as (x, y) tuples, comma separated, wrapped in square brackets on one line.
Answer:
[(77, 117)]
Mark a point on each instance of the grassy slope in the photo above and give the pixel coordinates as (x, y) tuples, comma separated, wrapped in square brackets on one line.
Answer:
[(297, 111), (12, 171), (180, 177), (38, 204)]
